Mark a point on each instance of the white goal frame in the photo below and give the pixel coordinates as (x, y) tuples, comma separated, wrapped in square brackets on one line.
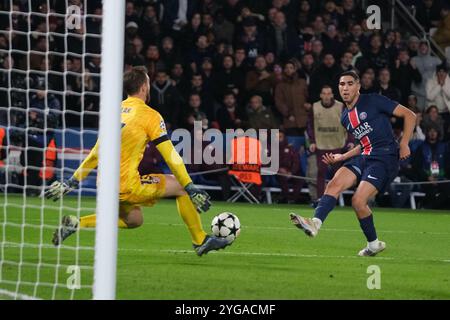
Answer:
[(109, 149)]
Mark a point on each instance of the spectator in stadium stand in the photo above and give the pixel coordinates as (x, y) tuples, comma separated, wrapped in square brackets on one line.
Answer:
[(278, 73), (94, 65), (138, 44), (228, 78), (222, 49), (131, 31), (192, 112), (223, 29), (326, 134), (404, 74), (165, 99), (207, 72), (413, 46), (202, 50), (375, 57), (289, 165), (176, 14), (332, 41), (368, 84), (152, 60), (317, 50), (246, 12), (304, 15), (232, 9), (428, 13), (240, 60), (385, 86), (208, 23), (260, 116), (418, 134), (291, 95), (432, 118), (426, 65), (438, 91), (43, 116), (282, 40), (389, 44), (357, 35), (355, 50), (178, 77), (306, 40), (412, 103), (230, 115), (260, 81), (346, 62), (308, 67), (149, 24), (169, 54), (191, 33), (442, 34), (349, 14), (209, 6), (326, 74), (318, 26), (130, 12), (207, 97), (431, 162), (132, 57), (330, 13), (251, 39)]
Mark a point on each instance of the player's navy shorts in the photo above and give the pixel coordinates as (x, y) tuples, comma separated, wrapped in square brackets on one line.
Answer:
[(379, 171)]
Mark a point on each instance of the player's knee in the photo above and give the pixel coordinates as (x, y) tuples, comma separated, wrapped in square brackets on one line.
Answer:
[(134, 219), (135, 222), (334, 188), (358, 203)]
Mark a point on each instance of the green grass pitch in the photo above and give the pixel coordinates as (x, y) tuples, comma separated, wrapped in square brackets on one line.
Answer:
[(271, 259)]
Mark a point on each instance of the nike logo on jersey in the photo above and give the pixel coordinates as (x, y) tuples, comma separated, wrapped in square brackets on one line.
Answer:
[(371, 177)]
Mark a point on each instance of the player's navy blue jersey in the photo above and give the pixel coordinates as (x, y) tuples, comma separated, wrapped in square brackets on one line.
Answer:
[(369, 122)]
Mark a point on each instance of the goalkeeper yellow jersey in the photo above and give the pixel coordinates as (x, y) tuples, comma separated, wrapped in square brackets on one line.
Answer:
[(140, 124)]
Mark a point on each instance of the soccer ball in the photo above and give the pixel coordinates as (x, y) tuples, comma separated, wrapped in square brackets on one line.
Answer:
[(226, 225)]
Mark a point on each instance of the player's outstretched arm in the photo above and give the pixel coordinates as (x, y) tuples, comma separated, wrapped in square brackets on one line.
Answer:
[(332, 158), (58, 189), (199, 198), (409, 123)]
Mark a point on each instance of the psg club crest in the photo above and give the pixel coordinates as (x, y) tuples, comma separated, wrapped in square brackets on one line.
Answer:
[(363, 116)]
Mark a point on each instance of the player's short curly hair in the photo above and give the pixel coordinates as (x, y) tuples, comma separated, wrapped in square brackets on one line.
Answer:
[(134, 79)]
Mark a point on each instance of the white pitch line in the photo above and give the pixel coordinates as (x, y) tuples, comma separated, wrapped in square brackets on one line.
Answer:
[(322, 229), (19, 296), (292, 255)]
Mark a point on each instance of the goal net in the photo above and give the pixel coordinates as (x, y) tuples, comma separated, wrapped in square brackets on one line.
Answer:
[(50, 56)]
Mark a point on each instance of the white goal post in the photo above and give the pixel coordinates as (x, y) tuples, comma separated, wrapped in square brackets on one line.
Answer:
[(109, 152), (61, 71)]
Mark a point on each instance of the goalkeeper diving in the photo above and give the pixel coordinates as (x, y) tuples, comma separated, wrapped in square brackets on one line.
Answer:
[(141, 124)]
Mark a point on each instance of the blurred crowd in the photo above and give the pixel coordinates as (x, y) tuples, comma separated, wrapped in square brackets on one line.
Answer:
[(231, 64)]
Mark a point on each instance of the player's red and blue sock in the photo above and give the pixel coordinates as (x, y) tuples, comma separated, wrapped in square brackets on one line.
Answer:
[(326, 204), (368, 227)]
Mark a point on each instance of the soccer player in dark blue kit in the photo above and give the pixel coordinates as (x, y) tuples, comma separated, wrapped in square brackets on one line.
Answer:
[(371, 165)]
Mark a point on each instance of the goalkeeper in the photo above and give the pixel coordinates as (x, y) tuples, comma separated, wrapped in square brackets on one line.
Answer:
[(141, 124)]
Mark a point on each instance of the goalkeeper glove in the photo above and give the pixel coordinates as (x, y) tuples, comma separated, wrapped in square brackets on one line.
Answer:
[(59, 189), (199, 198)]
